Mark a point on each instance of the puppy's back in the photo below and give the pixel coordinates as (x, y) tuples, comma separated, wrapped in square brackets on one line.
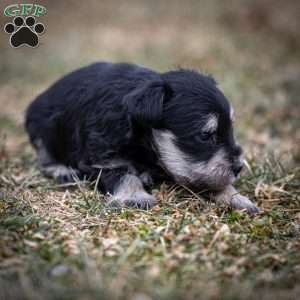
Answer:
[(62, 109)]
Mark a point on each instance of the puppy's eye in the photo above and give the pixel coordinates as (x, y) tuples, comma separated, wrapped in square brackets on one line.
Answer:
[(207, 137)]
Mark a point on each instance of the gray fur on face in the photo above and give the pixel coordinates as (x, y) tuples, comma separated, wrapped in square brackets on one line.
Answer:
[(215, 173)]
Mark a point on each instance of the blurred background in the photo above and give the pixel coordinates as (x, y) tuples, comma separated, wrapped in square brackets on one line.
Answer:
[(251, 47)]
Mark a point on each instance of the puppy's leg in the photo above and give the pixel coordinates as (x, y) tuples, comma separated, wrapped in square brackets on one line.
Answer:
[(126, 189), (231, 197), (131, 193), (146, 179), (52, 168)]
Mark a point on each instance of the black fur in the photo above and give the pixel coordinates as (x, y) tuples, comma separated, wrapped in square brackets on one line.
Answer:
[(105, 112)]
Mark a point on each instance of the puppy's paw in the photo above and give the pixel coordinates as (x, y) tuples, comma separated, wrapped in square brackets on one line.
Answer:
[(231, 197), (137, 200), (146, 179), (140, 201), (240, 202), (61, 173)]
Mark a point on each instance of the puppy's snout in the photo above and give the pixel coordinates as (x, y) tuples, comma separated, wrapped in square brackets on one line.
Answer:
[(237, 167)]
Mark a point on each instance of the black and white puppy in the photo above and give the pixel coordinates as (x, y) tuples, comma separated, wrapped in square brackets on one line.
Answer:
[(131, 127)]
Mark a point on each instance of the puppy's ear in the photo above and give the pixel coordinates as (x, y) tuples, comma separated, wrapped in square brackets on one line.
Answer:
[(145, 103)]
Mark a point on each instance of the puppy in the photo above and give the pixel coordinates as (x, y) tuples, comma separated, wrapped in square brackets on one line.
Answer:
[(130, 127)]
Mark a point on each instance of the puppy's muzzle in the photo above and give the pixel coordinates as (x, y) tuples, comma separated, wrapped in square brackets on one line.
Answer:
[(238, 162), (237, 168)]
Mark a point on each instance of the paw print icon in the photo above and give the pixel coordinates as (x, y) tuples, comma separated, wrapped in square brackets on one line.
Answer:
[(24, 32)]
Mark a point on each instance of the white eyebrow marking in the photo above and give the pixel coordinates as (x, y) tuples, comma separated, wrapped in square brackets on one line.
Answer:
[(232, 113), (211, 123)]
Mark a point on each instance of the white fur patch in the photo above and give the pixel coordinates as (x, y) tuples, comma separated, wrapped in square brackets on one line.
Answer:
[(216, 172), (172, 158), (211, 123)]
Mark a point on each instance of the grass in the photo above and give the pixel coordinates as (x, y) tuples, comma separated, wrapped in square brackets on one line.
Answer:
[(63, 242), (59, 242)]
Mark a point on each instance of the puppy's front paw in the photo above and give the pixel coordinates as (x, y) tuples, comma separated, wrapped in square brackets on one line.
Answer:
[(140, 201), (231, 197), (137, 200), (240, 202), (146, 179)]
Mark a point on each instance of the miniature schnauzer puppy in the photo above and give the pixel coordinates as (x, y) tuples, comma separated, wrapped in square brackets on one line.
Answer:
[(130, 127)]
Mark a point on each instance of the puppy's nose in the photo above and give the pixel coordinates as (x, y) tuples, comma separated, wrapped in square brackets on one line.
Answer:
[(237, 168), (237, 150)]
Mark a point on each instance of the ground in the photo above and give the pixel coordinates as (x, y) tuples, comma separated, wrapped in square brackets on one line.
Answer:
[(63, 242)]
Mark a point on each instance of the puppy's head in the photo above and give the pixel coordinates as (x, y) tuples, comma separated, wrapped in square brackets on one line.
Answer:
[(191, 123)]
